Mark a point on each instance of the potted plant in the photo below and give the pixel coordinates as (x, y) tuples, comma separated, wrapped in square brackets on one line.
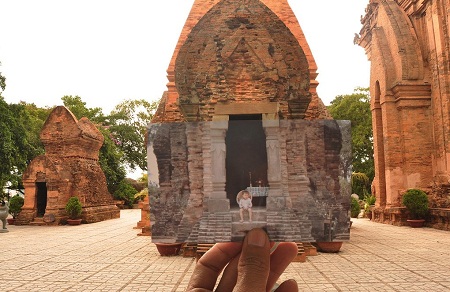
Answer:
[(355, 208), (15, 206), (328, 246), (369, 201), (73, 209), (416, 202), (168, 249)]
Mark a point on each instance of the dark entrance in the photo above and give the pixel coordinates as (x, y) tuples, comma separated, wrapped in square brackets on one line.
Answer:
[(41, 198), (246, 160)]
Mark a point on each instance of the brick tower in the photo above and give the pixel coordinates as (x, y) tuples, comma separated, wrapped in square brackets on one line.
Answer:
[(244, 60), (407, 43), (68, 168)]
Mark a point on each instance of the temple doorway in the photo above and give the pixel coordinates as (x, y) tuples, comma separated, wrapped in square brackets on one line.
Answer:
[(246, 158), (41, 198)]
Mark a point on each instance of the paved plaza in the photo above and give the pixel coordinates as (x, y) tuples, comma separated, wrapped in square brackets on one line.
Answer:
[(109, 256)]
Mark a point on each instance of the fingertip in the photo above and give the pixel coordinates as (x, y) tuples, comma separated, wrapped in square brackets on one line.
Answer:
[(257, 237), (288, 286), (289, 248), (254, 262)]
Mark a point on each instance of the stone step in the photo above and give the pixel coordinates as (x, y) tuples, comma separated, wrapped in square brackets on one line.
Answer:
[(38, 221), (257, 215), (238, 230), (301, 255)]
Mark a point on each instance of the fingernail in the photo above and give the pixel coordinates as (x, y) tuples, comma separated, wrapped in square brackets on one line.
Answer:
[(257, 237)]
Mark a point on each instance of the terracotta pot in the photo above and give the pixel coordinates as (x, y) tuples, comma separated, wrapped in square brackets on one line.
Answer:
[(11, 221), (329, 247), (417, 223), (74, 221), (168, 249)]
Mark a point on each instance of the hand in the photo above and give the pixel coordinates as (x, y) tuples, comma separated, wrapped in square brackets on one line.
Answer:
[(249, 266)]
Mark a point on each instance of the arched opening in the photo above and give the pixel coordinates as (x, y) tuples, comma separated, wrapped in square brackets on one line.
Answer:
[(41, 198), (246, 158)]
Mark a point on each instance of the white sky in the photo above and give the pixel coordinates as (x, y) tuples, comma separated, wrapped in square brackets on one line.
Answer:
[(106, 51)]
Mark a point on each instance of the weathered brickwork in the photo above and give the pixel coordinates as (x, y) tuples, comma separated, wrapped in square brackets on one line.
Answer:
[(268, 52), (407, 43), (246, 54), (68, 168)]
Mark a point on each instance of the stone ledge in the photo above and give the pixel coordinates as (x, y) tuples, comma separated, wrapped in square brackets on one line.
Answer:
[(439, 218)]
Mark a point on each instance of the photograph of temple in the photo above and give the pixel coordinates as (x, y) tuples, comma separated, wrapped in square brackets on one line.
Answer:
[(242, 113), (296, 176)]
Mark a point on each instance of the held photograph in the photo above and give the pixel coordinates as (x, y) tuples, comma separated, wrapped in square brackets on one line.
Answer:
[(214, 181)]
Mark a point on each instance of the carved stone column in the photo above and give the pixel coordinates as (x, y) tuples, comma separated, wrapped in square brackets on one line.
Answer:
[(275, 199), (218, 201)]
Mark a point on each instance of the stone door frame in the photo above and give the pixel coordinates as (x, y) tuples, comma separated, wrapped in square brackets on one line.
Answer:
[(218, 201)]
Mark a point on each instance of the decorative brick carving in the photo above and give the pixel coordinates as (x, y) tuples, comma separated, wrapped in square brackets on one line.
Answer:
[(254, 52)]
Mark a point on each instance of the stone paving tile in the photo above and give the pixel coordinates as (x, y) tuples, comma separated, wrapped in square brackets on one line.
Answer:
[(48, 266), (125, 267), (23, 274), (86, 267), (322, 287), (363, 287), (400, 276), (97, 287), (411, 286), (118, 277), (11, 264), (370, 266), (149, 277), (10, 285), (109, 256), (45, 285), (312, 278), (66, 276)]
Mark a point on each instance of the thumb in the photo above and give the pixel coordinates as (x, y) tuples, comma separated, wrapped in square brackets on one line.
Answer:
[(254, 262)]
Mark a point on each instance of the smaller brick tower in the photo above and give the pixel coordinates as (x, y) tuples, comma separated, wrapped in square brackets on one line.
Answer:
[(68, 168)]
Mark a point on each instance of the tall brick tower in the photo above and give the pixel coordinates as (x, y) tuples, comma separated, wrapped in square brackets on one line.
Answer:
[(407, 43), (235, 61)]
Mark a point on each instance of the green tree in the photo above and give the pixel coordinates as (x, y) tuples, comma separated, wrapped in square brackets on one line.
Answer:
[(360, 184), (356, 108), (128, 125), (24, 122), (35, 122), (16, 146), (110, 159), (125, 192), (7, 146), (79, 109), (2, 80)]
